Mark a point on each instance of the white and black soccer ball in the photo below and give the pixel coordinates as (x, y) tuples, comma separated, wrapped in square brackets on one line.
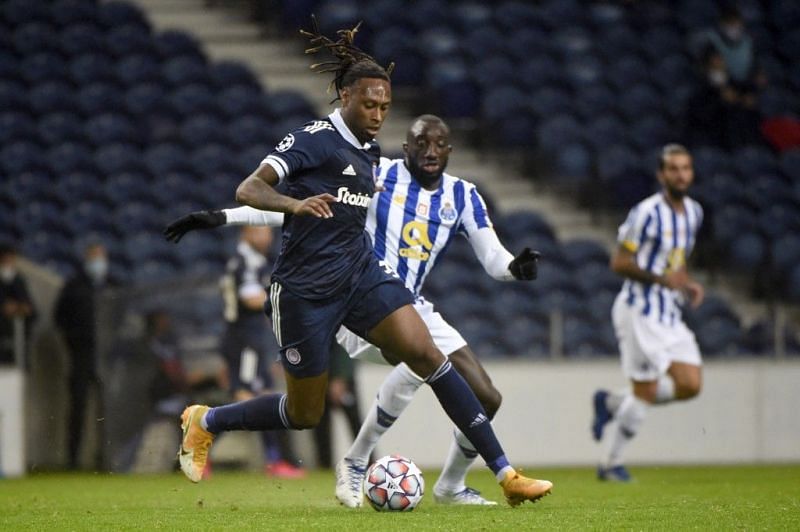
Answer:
[(394, 484)]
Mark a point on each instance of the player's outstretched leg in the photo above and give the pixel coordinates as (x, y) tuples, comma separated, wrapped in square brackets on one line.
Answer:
[(405, 334), (395, 394), (196, 441)]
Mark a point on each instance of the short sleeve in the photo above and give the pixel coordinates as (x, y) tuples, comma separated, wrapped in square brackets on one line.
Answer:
[(633, 229), (304, 148), (475, 215)]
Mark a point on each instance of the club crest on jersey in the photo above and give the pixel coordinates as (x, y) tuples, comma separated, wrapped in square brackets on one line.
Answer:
[(343, 195), (285, 144), (447, 212), (293, 356)]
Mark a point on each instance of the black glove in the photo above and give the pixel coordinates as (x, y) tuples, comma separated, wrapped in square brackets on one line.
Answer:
[(525, 267), (196, 220)]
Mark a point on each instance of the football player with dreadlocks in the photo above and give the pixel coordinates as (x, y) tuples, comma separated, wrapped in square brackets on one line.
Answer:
[(327, 275)]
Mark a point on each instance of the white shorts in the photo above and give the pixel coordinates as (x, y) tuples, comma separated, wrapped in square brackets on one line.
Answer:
[(647, 347), (446, 338)]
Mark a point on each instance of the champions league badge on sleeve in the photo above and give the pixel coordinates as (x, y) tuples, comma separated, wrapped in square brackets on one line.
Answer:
[(448, 213), (285, 144)]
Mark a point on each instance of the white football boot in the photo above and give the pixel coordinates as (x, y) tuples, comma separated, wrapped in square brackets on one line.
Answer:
[(349, 483)]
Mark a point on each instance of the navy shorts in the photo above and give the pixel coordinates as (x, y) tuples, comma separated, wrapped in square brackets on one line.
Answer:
[(305, 328)]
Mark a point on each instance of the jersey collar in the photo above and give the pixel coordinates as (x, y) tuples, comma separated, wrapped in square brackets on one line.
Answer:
[(338, 122)]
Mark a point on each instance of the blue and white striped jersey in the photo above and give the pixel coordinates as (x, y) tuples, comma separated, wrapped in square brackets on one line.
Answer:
[(662, 240), (410, 226)]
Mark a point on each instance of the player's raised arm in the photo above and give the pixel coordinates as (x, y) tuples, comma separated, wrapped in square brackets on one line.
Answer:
[(257, 190)]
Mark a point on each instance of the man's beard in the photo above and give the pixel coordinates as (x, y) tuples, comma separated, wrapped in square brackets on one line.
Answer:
[(675, 193)]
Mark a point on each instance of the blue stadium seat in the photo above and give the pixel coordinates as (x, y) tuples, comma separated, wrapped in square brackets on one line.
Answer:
[(513, 16), (713, 307), (242, 100), (19, 12), (15, 126), (779, 219), (176, 43), (584, 71), (580, 252), (28, 186), (732, 220), (792, 292), (604, 16), (457, 95), (186, 185), (200, 129), (617, 42), (290, 103), (334, 15), (640, 100), (193, 99), (616, 161), (163, 158), (130, 39), (42, 245), (91, 68), (594, 101), (134, 69), (225, 74), (538, 71), (115, 14), (33, 38), (80, 184), (99, 98), (471, 15), (596, 276), (87, 216), (558, 131), (439, 42), (19, 157), (485, 43), (550, 101), (112, 128), (38, 215), (55, 128), (720, 336), (146, 99), (42, 67), (489, 70), (138, 216), (748, 252), (44, 98), (626, 72), (670, 67), (573, 163), (70, 157), (605, 130), (525, 337), (247, 131), (127, 187), (118, 157), (790, 164), (154, 271), (78, 39), (211, 159), (650, 131), (67, 13), (183, 70), (785, 254), (661, 41), (752, 161)]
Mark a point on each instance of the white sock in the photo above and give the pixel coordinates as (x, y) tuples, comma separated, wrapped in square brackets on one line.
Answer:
[(630, 415), (614, 399), (665, 391), (394, 396), (454, 473)]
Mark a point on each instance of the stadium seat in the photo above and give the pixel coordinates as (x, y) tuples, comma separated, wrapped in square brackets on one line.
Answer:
[(130, 39), (118, 157), (584, 71), (290, 103), (226, 74), (55, 128), (200, 129), (336, 14), (91, 68), (485, 44), (33, 38), (472, 15), (78, 39), (163, 158), (113, 128), (549, 101), (28, 186), (641, 99), (782, 217), (573, 163), (242, 100), (558, 131), (87, 216), (97, 98), (211, 159), (70, 13), (70, 157), (790, 164), (193, 99), (184, 70), (42, 67), (134, 69), (604, 130), (538, 71), (145, 99), (15, 126), (748, 252), (115, 14), (581, 252), (18, 157), (154, 271), (785, 254), (19, 12), (128, 186), (175, 43), (247, 131), (80, 184), (720, 336)]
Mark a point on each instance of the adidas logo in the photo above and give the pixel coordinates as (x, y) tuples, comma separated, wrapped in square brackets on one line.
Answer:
[(480, 418), (349, 170)]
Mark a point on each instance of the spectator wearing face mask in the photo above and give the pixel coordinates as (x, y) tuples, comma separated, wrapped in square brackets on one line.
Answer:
[(17, 311), (736, 47), (75, 316)]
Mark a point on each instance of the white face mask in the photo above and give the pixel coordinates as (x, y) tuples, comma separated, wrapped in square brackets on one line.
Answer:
[(7, 273), (717, 77), (97, 269)]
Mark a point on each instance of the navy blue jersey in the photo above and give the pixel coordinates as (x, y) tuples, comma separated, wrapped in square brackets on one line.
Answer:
[(321, 257)]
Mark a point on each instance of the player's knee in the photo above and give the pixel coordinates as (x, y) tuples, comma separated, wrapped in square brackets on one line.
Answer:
[(688, 389), (491, 403), (424, 359)]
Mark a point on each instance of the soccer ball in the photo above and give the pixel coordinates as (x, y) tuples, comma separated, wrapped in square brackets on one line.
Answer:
[(394, 484)]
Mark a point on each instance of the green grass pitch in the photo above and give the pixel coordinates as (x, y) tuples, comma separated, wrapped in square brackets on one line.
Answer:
[(665, 498)]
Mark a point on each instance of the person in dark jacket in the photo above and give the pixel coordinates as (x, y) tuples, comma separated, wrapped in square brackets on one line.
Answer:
[(16, 307)]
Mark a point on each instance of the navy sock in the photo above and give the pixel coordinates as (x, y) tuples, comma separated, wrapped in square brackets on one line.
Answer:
[(267, 412), (461, 405)]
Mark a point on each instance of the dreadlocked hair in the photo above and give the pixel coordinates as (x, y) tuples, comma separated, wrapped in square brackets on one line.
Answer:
[(350, 64)]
